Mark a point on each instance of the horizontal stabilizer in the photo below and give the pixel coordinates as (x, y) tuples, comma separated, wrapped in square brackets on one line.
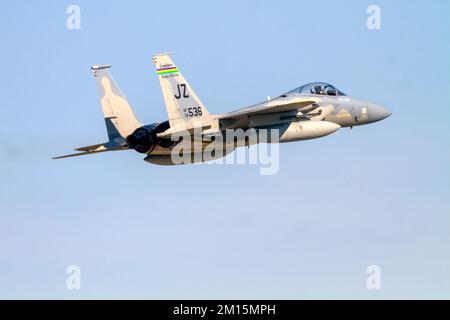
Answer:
[(90, 148), (81, 154), (97, 148)]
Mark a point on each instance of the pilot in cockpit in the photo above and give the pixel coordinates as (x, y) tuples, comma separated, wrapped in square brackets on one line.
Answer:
[(318, 88)]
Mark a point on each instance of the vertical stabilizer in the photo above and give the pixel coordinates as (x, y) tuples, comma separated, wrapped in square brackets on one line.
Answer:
[(182, 104), (120, 119)]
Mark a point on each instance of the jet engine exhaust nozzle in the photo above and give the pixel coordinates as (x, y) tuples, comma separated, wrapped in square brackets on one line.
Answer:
[(141, 140)]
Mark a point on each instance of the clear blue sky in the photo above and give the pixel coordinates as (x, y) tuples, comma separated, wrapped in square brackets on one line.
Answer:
[(379, 195)]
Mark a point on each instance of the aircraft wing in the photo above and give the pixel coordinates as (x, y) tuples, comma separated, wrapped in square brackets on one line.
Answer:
[(240, 118), (269, 107), (278, 105)]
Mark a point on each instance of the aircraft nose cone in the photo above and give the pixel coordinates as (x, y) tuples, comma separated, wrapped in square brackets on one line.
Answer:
[(378, 113)]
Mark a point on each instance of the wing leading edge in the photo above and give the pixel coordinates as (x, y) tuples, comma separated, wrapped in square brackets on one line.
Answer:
[(272, 106)]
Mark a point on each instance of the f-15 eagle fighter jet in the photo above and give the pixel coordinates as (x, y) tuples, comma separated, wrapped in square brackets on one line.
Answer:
[(307, 112)]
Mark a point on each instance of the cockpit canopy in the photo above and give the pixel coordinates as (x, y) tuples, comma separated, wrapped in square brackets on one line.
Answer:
[(318, 88)]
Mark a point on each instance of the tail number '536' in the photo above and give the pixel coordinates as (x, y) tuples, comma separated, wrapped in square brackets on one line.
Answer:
[(192, 112)]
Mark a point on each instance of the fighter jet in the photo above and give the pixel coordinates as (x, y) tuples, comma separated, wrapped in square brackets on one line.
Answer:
[(311, 111)]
